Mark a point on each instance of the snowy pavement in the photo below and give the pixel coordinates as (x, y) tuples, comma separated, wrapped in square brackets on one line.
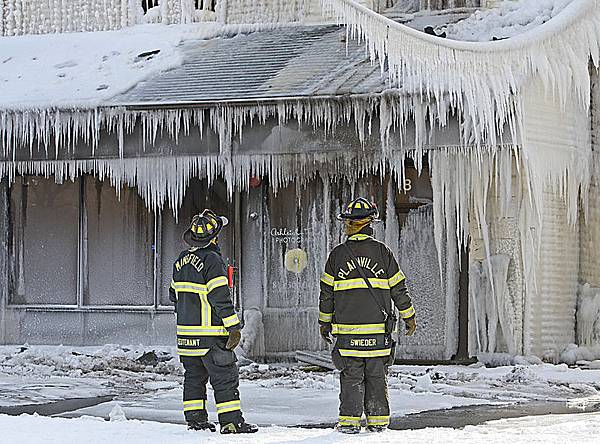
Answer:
[(584, 428), (146, 385)]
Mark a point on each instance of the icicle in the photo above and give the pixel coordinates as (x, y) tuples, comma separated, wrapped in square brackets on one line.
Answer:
[(479, 79)]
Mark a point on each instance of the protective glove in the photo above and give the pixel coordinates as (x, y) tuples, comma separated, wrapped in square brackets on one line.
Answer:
[(234, 339), (411, 325), (326, 332)]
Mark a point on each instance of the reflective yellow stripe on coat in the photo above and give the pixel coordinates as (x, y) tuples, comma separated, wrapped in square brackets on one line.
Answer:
[(409, 312), (365, 353), (232, 320), (189, 287), (196, 330), (396, 279), (351, 284), (327, 279), (192, 352), (358, 329), (216, 283), (325, 317)]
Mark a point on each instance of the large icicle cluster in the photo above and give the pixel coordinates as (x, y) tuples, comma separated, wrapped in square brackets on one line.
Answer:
[(54, 134), (480, 80), (54, 138)]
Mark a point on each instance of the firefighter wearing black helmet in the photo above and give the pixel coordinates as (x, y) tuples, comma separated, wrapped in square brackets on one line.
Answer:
[(208, 328), (359, 284)]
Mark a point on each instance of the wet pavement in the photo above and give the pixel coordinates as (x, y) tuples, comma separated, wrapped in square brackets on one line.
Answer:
[(459, 417), (54, 407)]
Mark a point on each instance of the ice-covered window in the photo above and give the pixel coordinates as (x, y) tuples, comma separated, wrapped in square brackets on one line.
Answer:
[(45, 227), (77, 244), (119, 242)]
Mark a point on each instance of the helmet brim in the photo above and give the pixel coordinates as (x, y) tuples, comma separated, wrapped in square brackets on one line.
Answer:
[(344, 216)]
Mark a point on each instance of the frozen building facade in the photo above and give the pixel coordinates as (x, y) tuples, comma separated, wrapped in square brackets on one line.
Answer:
[(480, 154)]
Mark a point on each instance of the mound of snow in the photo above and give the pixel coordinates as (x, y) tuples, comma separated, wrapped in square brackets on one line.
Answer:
[(509, 19)]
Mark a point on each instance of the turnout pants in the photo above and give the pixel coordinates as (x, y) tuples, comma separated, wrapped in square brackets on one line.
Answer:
[(363, 388), (218, 366)]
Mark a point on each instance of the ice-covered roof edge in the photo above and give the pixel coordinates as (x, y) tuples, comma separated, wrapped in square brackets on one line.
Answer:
[(479, 78), (49, 129)]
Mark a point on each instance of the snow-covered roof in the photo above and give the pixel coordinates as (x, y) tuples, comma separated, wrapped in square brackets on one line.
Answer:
[(178, 64), (81, 70), (287, 62)]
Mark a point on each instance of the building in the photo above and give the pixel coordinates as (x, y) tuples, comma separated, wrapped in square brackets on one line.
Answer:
[(487, 192)]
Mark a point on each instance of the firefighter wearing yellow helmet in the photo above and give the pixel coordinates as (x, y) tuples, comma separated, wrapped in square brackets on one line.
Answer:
[(208, 328), (360, 281)]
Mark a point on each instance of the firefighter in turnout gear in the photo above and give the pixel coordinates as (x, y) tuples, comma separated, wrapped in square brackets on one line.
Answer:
[(208, 328), (360, 281)]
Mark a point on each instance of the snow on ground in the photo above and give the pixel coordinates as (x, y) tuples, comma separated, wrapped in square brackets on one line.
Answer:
[(509, 19), (271, 394), (584, 428), (146, 383), (272, 405)]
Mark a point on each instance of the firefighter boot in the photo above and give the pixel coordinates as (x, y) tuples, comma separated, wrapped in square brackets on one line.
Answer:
[(198, 425), (242, 427), (376, 428), (348, 429)]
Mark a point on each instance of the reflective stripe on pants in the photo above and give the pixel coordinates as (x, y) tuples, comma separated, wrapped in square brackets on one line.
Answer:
[(363, 388), (218, 365)]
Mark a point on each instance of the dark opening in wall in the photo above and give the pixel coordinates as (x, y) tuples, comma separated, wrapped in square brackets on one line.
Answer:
[(209, 5), (147, 4), (205, 4)]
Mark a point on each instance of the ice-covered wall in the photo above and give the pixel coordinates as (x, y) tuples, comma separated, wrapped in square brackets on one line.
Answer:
[(48, 16), (588, 303), (434, 296), (556, 137), (550, 307), (268, 11)]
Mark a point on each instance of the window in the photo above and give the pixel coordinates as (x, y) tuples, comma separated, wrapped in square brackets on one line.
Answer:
[(147, 4), (45, 226), (119, 246), (77, 244), (206, 5)]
